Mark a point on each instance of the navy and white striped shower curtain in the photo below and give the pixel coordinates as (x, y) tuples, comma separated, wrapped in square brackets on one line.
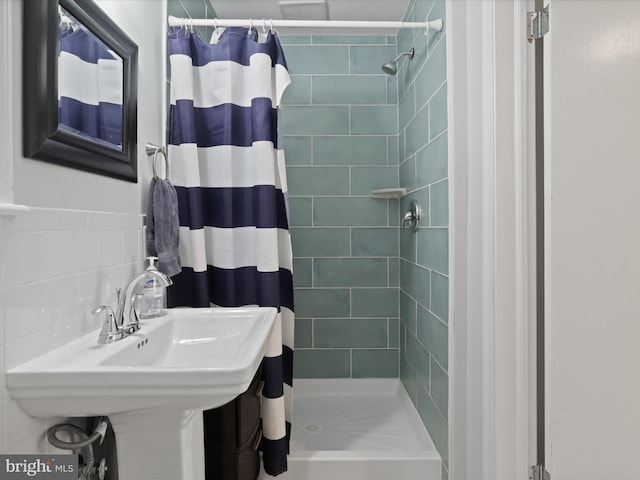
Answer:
[(227, 166)]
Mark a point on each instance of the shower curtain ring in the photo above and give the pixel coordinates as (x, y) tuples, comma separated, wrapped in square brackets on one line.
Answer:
[(215, 25), (250, 26), (273, 30), (67, 21), (264, 26)]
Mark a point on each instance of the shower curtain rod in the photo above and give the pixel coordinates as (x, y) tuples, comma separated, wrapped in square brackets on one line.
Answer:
[(224, 22)]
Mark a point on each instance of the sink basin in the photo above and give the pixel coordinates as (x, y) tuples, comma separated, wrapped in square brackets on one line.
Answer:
[(153, 384), (191, 358)]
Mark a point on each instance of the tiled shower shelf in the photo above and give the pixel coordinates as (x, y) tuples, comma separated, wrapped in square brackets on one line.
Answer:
[(397, 192)]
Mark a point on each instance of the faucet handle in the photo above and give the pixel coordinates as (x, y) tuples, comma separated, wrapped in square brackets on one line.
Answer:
[(102, 308), (134, 320), (110, 331)]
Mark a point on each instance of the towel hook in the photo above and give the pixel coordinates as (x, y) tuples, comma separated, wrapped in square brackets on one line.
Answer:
[(154, 150)]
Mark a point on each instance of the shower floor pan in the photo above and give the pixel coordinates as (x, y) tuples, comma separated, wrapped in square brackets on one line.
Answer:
[(358, 429)]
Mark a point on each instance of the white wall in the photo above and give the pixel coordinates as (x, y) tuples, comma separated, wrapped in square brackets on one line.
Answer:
[(6, 96), (593, 243), (58, 262), (593, 255), (493, 242)]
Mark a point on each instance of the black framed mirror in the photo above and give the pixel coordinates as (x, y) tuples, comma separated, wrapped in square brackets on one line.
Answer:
[(71, 92)]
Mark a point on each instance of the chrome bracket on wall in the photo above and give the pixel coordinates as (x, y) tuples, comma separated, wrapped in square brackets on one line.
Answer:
[(539, 472), (411, 219), (537, 24)]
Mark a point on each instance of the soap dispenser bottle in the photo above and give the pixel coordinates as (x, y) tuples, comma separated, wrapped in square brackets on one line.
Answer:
[(153, 295)]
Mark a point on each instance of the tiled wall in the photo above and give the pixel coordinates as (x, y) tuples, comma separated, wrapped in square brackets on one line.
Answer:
[(423, 169), (56, 265), (340, 127)]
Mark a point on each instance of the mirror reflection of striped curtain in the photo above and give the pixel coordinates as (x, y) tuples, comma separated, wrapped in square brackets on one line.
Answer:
[(227, 165), (89, 86)]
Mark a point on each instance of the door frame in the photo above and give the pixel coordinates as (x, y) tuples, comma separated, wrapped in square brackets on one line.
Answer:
[(492, 241), (7, 81)]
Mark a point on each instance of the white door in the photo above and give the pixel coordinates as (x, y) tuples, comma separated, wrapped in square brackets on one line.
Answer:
[(592, 158)]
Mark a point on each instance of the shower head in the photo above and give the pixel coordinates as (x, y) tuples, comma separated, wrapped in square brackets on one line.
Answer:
[(391, 68)]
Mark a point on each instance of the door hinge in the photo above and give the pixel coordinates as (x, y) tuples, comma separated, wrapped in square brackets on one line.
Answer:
[(537, 24), (538, 472)]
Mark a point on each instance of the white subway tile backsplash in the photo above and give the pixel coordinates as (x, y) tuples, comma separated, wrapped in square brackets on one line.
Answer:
[(25, 348), (90, 251), (131, 252), (3, 241), (2, 424), (130, 222), (57, 220), (90, 322), (48, 219), (35, 442), (1, 316), (111, 279), (130, 270), (23, 259), (102, 221), (61, 252), (3, 389), (25, 310), (99, 288), (62, 302), (56, 266), (90, 291), (19, 427), (113, 241), (31, 221)]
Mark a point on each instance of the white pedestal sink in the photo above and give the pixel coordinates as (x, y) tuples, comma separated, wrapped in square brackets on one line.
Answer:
[(153, 385)]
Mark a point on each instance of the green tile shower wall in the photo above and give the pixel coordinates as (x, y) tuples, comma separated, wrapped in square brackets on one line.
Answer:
[(340, 132), (424, 268)]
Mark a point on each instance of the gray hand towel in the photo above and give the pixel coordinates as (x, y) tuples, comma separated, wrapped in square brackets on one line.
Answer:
[(151, 226), (163, 225)]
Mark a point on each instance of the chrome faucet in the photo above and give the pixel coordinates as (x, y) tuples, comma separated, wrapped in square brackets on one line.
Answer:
[(126, 316), (125, 320)]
